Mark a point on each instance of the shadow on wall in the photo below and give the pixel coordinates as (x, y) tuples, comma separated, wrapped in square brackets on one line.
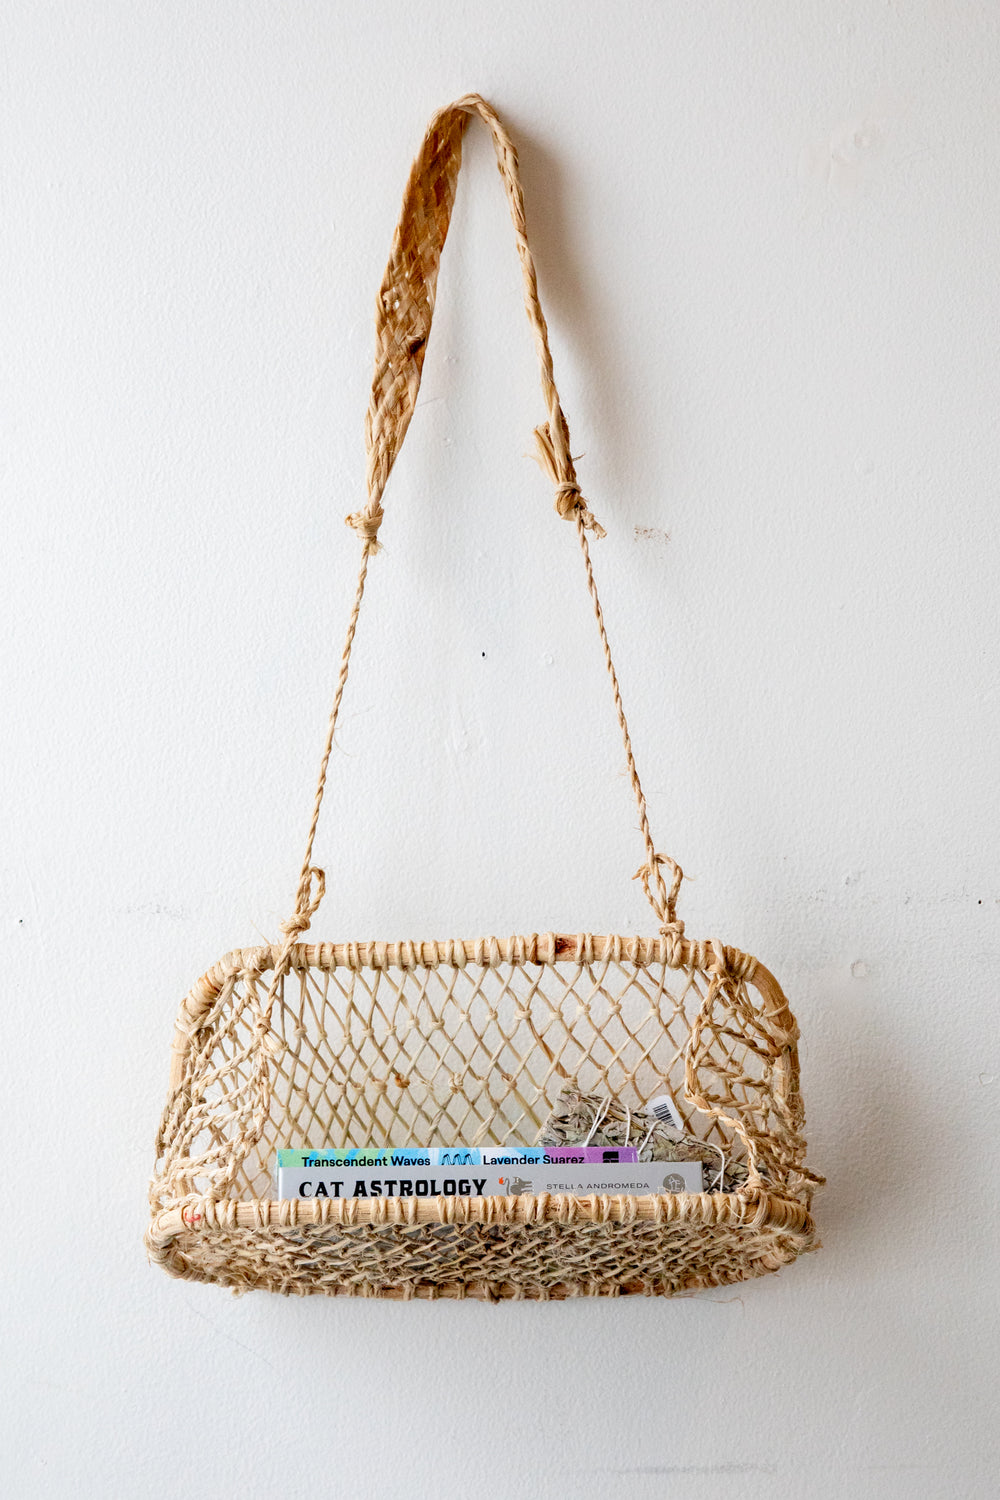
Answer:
[(577, 307), (885, 1153)]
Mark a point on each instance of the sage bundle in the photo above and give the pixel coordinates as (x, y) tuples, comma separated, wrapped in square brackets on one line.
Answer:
[(602, 1120)]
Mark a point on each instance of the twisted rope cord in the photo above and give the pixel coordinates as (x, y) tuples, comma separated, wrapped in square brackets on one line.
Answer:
[(662, 900), (304, 908), (310, 892), (307, 900)]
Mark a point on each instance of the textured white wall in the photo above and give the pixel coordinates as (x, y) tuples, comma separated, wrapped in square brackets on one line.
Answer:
[(767, 241)]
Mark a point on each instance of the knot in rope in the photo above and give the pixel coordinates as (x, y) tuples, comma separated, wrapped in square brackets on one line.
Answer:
[(568, 499), (306, 904), (569, 503), (586, 517), (366, 524)]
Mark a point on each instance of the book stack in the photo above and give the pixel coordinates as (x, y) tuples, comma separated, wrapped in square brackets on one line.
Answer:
[(479, 1171)]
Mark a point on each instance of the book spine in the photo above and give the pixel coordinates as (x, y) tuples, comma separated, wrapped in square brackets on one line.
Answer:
[(490, 1181), (457, 1156)]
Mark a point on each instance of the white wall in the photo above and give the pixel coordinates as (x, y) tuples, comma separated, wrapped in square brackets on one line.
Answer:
[(767, 241)]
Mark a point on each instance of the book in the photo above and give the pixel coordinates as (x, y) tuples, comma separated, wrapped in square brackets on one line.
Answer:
[(454, 1156), (346, 1179)]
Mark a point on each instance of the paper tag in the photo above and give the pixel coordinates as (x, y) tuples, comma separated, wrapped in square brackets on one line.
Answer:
[(665, 1110)]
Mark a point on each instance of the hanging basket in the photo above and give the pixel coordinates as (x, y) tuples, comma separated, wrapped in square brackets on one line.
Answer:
[(470, 1042)]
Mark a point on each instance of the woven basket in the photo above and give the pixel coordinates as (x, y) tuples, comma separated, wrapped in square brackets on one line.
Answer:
[(470, 1042)]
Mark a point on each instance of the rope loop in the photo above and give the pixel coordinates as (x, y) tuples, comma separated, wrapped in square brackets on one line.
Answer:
[(662, 900), (306, 904)]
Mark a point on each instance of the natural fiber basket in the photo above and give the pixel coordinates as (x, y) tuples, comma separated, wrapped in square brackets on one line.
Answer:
[(470, 1042)]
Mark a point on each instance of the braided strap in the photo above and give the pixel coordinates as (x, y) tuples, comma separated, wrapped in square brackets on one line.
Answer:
[(404, 310)]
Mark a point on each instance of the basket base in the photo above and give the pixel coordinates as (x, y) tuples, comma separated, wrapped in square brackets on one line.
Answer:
[(494, 1249)]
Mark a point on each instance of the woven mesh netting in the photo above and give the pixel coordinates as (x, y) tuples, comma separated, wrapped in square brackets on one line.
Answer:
[(448, 1044)]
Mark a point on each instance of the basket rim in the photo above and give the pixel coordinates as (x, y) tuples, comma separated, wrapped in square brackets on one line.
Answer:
[(490, 952), (783, 1231), (752, 1209)]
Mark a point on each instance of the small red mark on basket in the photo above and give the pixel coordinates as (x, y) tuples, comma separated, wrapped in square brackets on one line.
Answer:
[(190, 1218)]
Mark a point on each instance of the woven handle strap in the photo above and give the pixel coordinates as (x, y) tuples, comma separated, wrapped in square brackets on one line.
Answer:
[(404, 311), (405, 308)]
